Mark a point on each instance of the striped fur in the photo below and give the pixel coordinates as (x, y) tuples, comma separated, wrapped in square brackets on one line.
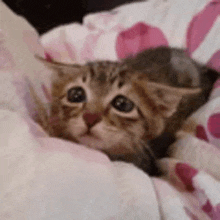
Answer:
[(123, 135)]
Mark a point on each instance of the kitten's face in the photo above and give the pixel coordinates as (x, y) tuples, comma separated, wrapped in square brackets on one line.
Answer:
[(107, 106), (98, 105)]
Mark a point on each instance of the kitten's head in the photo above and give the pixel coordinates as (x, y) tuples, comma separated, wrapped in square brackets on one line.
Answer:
[(107, 106)]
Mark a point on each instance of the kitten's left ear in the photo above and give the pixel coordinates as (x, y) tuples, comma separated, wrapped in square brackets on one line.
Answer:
[(60, 68), (166, 98)]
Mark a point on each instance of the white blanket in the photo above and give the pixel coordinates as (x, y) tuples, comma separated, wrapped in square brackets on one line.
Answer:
[(45, 178)]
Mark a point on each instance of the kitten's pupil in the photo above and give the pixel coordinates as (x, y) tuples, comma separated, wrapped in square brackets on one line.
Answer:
[(123, 104), (76, 94)]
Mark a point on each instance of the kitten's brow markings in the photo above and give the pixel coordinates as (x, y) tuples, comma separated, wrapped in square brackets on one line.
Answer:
[(68, 112), (91, 70), (113, 79), (102, 77), (84, 78), (120, 84), (140, 113), (62, 97)]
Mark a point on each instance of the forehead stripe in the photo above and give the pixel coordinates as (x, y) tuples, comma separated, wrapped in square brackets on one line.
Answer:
[(91, 71), (113, 79)]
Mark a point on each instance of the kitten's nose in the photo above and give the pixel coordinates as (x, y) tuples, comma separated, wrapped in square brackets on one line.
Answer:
[(91, 118)]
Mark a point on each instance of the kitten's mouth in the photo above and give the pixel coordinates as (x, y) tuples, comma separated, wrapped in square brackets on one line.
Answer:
[(89, 139), (89, 134)]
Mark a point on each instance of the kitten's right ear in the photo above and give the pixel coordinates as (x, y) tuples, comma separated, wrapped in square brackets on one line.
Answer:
[(165, 98), (61, 69)]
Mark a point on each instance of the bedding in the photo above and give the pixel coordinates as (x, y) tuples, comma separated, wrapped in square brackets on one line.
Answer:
[(47, 178)]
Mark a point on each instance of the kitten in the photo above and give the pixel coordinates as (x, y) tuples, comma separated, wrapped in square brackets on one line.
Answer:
[(172, 66), (118, 107)]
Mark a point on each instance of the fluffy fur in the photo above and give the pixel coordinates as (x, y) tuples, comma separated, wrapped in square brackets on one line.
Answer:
[(117, 107)]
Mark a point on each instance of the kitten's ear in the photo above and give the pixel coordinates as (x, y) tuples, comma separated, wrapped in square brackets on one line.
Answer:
[(61, 69), (166, 98)]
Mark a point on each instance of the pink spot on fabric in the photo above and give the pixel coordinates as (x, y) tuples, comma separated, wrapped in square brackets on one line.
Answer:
[(46, 93), (214, 62), (214, 1), (190, 214), (207, 208), (216, 214), (87, 52), (212, 212), (201, 133), (214, 125), (217, 84), (48, 57), (138, 38), (201, 24), (186, 174)]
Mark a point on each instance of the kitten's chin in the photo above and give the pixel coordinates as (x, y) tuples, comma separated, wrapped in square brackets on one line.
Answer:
[(91, 141)]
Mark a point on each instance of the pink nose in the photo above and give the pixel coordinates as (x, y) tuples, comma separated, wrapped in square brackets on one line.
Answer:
[(91, 118)]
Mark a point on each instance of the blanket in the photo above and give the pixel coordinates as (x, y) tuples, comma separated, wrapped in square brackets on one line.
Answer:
[(48, 178)]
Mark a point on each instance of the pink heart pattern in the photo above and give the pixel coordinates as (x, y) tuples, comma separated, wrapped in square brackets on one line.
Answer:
[(201, 24), (139, 37)]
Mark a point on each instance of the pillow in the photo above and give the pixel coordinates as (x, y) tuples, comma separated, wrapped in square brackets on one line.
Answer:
[(131, 28)]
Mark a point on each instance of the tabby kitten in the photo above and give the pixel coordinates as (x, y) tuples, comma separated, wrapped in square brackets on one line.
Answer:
[(117, 107)]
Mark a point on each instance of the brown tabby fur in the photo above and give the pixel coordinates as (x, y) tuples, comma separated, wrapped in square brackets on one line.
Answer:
[(164, 85)]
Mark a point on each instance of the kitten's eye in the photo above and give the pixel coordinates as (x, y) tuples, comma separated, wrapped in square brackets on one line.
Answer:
[(123, 104), (76, 94)]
